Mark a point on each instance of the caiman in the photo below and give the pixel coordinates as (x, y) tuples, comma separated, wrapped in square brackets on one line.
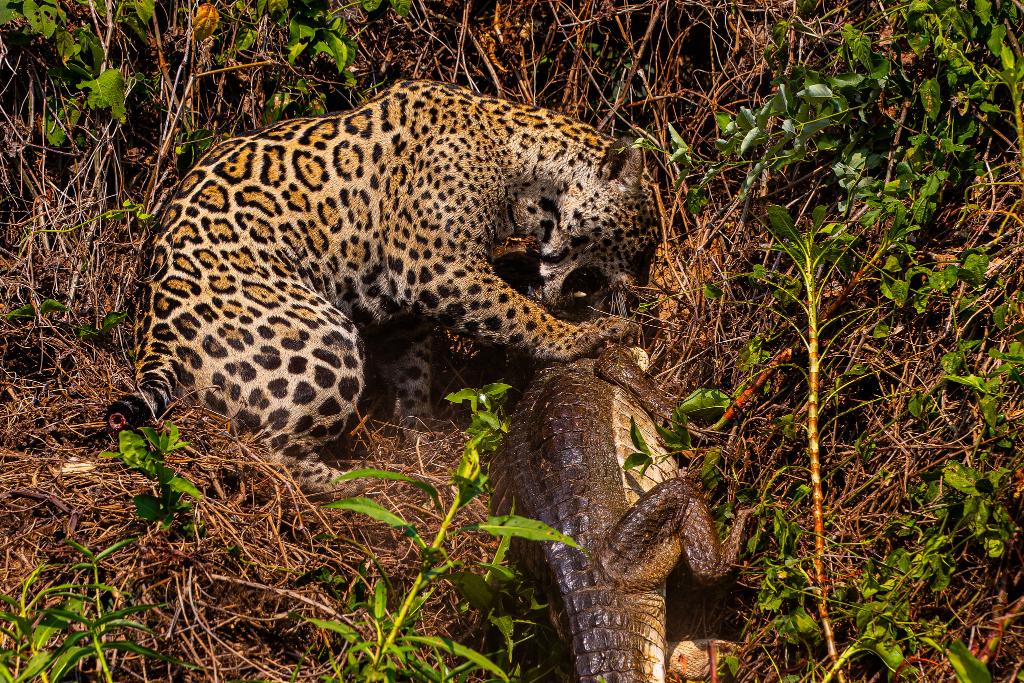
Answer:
[(563, 463)]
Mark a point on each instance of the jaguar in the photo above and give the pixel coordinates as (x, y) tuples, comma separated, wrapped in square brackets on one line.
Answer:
[(284, 246)]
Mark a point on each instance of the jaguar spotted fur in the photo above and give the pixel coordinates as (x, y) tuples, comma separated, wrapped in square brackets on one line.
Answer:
[(283, 244)]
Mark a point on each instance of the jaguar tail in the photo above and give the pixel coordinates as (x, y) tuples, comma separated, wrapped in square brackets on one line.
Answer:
[(156, 383), (135, 410)]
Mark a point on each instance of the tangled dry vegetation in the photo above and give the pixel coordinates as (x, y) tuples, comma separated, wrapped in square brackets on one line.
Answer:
[(899, 121)]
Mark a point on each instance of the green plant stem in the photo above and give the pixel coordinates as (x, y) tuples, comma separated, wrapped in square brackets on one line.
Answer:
[(836, 670), (814, 454), (786, 355), (1018, 117), (417, 584), (97, 639)]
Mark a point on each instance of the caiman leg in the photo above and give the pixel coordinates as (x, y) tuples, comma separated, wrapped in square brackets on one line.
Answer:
[(671, 521), (617, 365)]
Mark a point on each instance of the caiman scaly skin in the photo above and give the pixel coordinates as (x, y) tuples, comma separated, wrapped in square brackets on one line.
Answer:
[(562, 463)]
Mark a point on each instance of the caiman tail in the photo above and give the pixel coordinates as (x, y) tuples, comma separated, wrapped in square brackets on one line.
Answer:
[(616, 637), (615, 611)]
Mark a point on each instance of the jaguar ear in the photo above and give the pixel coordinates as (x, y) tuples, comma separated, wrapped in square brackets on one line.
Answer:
[(623, 163)]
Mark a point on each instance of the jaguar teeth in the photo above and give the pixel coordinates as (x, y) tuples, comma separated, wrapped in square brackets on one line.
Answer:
[(579, 295)]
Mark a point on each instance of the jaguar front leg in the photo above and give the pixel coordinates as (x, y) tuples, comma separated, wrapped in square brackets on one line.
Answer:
[(410, 376), (401, 355), (480, 304)]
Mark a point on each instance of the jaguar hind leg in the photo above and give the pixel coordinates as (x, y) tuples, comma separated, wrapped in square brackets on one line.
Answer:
[(291, 376)]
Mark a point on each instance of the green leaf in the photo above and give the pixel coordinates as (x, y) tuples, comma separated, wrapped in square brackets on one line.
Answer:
[(816, 91), (344, 630), (783, 229), (972, 381), (379, 607), (55, 134), (896, 290), (110, 550), (931, 98), (365, 506), (107, 92), (1007, 58), (752, 138), (453, 648), (148, 507), (67, 47), (474, 588), (723, 120), (858, 44), (393, 476), (334, 46), (967, 667), (51, 306), (80, 548), (144, 8), (943, 280), (42, 17), (696, 200), (999, 314), (952, 362), (709, 473), (278, 8), (974, 267), (888, 651), (112, 320), (135, 648), (521, 527), (995, 39), (63, 659), (961, 478), (495, 390), (489, 419), (634, 460), (983, 10), (712, 291), (26, 311), (848, 80), (42, 659), (182, 485), (704, 404), (471, 395), (401, 7), (371, 5), (637, 438), (7, 13), (994, 547)]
